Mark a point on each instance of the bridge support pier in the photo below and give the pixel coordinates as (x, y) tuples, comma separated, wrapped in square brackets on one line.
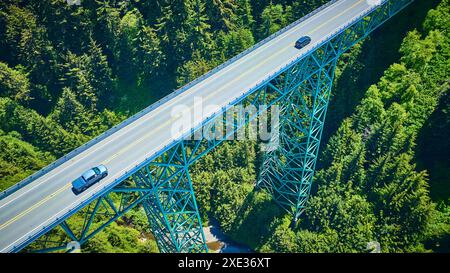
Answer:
[(163, 185), (172, 209), (288, 170)]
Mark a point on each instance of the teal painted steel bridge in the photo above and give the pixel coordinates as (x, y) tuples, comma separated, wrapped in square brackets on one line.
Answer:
[(149, 166)]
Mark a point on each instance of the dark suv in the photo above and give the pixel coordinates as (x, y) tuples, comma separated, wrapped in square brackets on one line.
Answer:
[(302, 42)]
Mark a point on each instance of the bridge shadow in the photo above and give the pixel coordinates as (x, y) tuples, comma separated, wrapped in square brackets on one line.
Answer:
[(253, 225)]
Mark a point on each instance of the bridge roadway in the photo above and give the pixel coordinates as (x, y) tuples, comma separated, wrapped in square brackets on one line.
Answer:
[(27, 210)]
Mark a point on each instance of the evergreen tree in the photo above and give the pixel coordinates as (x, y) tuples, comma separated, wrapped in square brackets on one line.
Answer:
[(127, 46), (14, 83), (19, 159), (272, 20), (149, 55), (244, 16), (41, 132), (172, 30), (232, 43), (199, 38), (100, 74), (70, 113), (221, 13), (26, 41)]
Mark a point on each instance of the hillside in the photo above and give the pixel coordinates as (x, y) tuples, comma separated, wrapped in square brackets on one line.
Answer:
[(68, 73)]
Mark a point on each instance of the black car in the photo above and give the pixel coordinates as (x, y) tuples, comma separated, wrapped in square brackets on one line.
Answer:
[(302, 42)]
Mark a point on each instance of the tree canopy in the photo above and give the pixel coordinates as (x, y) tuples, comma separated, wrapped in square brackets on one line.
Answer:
[(69, 72)]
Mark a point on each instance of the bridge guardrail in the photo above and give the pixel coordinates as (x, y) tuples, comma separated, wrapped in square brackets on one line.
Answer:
[(151, 107), (106, 188)]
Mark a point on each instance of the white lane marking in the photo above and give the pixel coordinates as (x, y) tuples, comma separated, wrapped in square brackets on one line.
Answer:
[(128, 147), (87, 195), (195, 88), (92, 189)]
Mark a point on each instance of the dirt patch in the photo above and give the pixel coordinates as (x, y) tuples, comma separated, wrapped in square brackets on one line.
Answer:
[(215, 246)]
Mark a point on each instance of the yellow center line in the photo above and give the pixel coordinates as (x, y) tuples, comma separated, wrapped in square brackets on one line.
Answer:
[(17, 217), (169, 121), (12, 220)]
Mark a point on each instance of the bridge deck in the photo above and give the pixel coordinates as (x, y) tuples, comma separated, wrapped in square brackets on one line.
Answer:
[(26, 211)]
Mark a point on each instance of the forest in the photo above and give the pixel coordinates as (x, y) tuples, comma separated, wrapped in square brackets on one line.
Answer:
[(69, 72)]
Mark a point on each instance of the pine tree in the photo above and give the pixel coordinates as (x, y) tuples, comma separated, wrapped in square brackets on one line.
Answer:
[(77, 76), (149, 56), (244, 16), (100, 74), (272, 20), (221, 13), (71, 114), (172, 30), (401, 200), (199, 29), (14, 84)]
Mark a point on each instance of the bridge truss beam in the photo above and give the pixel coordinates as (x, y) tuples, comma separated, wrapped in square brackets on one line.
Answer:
[(163, 185), (288, 171)]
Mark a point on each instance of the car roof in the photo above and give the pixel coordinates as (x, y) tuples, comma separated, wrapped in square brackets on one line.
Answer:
[(88, 174), (303, 38), (102, 168)]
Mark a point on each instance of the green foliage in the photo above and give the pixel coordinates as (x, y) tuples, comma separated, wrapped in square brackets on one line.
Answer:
[(437, 19), (417, 52), (120, 239), (173, 31), (137, 50), (41, 132), (252, 226), (27, 45), (193, 69), (22, 34), (369, 188), (438, 233), (437, 161), (234, 42), (283, 239), (14, 83), (78, 120), (68, 70), (228, 198), (18, 159), (244, 14), (273, 19), (221, 13), (99, 72), (69, 112), (401, 199)]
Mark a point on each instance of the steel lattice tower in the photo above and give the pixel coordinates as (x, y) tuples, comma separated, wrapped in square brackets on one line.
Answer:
[(163, 185)]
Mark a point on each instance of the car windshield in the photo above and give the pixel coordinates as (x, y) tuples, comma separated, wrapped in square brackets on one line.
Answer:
[(303, 39), (96, 170)]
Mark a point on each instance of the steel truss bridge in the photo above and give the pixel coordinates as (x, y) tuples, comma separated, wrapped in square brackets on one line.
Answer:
[(149, 166)]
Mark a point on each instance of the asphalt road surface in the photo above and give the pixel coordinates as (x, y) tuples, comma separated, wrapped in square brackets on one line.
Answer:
[(27, 210)]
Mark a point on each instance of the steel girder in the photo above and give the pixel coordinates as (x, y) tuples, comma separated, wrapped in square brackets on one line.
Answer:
[(96, 217), (172, 209), (287, 172), (163, 185)]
